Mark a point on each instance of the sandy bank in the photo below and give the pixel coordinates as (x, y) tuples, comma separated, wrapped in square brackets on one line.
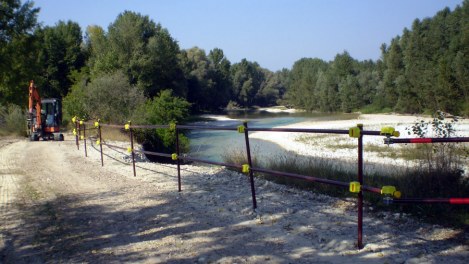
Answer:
[(342, 146)]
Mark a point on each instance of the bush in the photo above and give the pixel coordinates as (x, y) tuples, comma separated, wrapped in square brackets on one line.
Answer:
[(12, 120), (161, 110), (108, 97), (443, 157)]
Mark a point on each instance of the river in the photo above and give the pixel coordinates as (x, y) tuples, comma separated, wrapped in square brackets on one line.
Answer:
[(212, 145)]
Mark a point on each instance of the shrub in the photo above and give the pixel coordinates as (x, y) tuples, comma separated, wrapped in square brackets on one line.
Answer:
[(442, 157), (108, 97), (161, 110), (12, 120)]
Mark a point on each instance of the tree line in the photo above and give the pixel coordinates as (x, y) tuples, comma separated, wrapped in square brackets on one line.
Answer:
[(136, 60)]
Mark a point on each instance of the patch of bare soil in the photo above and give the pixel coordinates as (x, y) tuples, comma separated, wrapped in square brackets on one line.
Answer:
[(59, 206)]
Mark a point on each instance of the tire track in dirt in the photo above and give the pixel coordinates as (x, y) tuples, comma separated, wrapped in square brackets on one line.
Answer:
[(9, 175)]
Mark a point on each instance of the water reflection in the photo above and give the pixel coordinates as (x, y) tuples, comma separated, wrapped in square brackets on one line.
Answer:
[(212, 145)]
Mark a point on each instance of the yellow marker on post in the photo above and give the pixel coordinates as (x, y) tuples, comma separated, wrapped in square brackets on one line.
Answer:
[(98, 142), (355, 187), (245, 168), (74, 119), (96, 124), (127, 126), (129, 149), (174, 156), (389, 132), (391, 191), (241, 129), (81, 122), (354, 132), (74, 132)]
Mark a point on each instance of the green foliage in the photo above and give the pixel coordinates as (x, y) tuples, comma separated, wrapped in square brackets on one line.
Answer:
[(161, 110), (12, 120), (143, 50), (253, 85), (341, 85), (443, 157), (423, 70), (60, 53), (75, 103), (109, 97), (208, 78), (17, 50), (112, 99)]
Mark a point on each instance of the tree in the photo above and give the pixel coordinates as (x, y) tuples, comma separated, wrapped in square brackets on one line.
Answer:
[(111, 98), (247, 79), (17, 50), (60, 54), (302, 90), (143, 50), (162, 110)]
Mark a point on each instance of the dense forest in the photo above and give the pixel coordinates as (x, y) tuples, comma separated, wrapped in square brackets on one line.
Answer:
[(135, 60)]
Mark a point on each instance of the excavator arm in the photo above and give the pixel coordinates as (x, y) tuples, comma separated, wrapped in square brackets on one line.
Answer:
[(35, 101)]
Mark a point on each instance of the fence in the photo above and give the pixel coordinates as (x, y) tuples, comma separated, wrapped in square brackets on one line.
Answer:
[(390, 193)]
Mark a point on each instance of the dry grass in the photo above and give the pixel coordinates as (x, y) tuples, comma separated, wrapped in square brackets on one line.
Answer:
[(114, 134)]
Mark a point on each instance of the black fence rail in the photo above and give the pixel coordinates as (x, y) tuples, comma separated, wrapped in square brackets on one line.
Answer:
[(390, 193)]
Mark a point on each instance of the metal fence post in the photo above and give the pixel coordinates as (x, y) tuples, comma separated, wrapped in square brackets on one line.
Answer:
[(251, 176), (178, 162), (77, 134), (132, 149), (100, 143), (360, 194), (84, 139)]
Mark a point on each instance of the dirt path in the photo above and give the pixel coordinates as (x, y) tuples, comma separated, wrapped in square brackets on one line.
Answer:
[(58, 206)]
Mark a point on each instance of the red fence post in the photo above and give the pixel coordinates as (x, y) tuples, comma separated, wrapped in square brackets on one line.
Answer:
[(177, 160), (84, 139), (251, 176), (100, 143), (132, 149), (360, 194), (77, 134)]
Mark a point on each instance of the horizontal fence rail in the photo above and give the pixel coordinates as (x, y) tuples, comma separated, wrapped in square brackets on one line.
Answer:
[(391, 195)]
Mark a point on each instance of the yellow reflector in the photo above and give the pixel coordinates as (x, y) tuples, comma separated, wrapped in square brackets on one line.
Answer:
[(174, 156), (241, 129), (388, 190), (355, 187), (127, 126), (245, 168), (354, 132)]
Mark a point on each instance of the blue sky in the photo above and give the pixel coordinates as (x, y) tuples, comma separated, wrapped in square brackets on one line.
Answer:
[(275, 33)]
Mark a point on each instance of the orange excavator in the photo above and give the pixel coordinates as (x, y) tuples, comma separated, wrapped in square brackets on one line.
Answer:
[(44, 116)]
